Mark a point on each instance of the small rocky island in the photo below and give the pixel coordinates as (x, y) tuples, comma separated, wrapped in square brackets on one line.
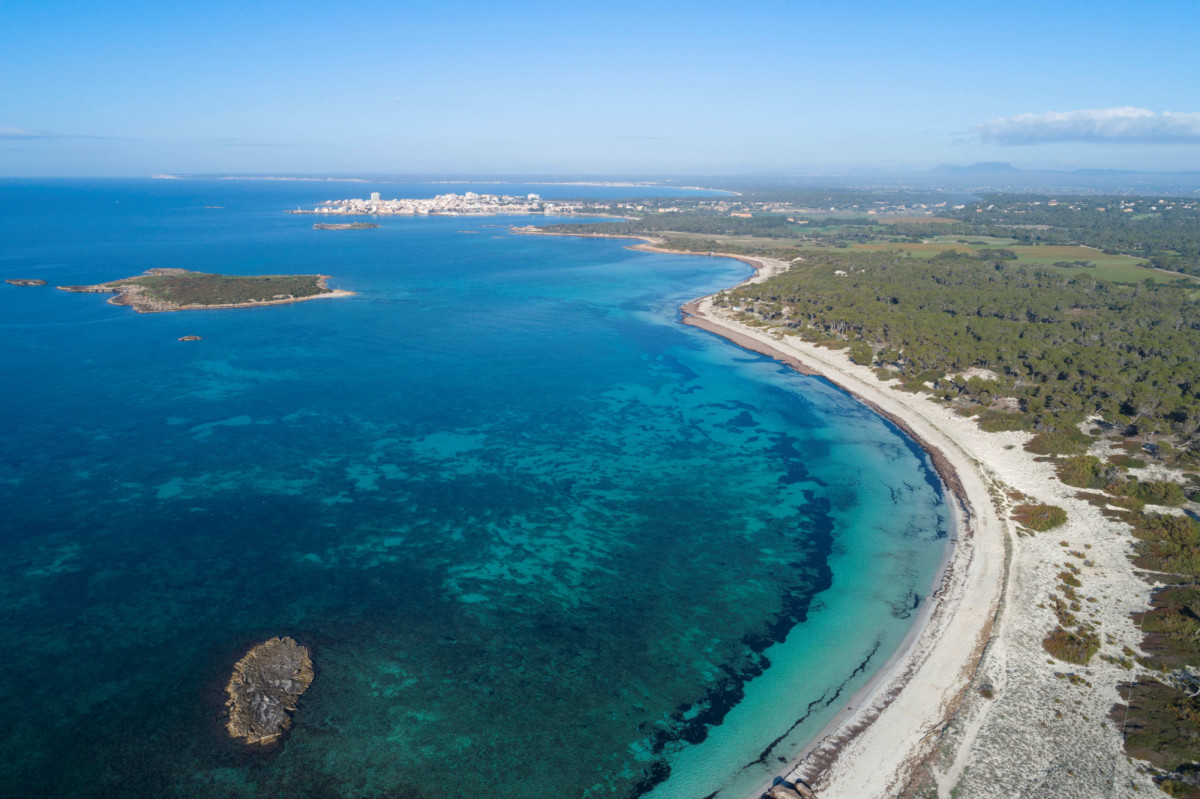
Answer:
[(264, 689), (183, 290), (25, 281), (344, 225)]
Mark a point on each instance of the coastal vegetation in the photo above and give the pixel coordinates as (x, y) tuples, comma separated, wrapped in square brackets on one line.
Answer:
[(1160, 713), (1073, 319), (180, 289), (198, 288), (1021, 347), (1072, 646), (1119, 239), (1039, 518), (1103, 374), (1166, 231)]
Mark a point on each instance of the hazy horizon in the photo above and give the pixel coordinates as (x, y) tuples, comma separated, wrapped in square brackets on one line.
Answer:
[(536, 88)]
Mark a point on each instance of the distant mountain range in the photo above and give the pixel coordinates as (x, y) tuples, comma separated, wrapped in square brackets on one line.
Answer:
[(986, 167), (1000, 167)]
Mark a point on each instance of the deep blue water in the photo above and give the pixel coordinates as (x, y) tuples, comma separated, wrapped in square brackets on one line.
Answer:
[(542, 539)]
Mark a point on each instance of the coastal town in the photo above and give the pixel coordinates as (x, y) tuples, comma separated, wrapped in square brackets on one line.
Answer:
[(474, 204), (466, 204)]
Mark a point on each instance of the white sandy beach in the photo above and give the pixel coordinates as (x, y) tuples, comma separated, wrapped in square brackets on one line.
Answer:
[(923, 715), (921, 727)]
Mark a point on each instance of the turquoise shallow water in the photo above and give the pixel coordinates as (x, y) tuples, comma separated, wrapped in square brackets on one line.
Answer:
[(541, 538)]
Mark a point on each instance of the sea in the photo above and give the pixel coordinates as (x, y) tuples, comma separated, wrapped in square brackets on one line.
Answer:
[(541, 538)]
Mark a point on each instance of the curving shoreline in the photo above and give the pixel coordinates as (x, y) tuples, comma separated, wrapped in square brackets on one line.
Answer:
[(875, 745), (971, 704), (1035, 726)]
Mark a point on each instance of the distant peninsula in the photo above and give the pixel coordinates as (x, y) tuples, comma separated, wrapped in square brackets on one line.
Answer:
[(183, 290)]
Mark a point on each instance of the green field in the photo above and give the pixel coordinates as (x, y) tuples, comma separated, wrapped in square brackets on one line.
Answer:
[(737, 242), (1116, 268), (1051, 254), (981, 241), (925, 250)]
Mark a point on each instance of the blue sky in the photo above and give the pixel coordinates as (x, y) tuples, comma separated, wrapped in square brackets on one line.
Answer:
[(137, 88)]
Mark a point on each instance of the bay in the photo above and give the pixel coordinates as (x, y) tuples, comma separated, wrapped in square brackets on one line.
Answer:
[(541, 538)]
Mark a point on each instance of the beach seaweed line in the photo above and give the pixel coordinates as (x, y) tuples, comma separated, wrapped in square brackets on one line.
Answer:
[(730, 690), (887, 686), (819, 756)]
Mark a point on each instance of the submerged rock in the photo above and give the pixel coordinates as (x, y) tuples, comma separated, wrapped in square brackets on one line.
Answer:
[(264, 688)]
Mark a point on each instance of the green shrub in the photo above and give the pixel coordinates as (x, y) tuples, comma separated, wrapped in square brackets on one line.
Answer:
[(1156, 492), (1083, 471), (1059, 442), (1039, 517), (1072, 647), (999, 422), (1168, 543), (1128, 503), (1126, 462), (1174, 623), (862, 353)]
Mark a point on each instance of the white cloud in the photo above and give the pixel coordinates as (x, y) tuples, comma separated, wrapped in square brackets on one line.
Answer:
[(1128, 124)]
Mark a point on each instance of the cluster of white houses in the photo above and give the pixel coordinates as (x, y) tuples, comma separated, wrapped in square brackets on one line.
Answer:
[(468, 204)]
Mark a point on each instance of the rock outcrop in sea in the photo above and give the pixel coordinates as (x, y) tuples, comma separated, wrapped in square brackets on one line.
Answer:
[(22, 281), (264, 689)]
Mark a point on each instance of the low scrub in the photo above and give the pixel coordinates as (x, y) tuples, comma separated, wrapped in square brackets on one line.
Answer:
[(1154, 492), (1126, 462), (1061, 442), (1083, 471), (994, 421), (1039, 517), (1160, 725), (1168, 543), (1071, 647)]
